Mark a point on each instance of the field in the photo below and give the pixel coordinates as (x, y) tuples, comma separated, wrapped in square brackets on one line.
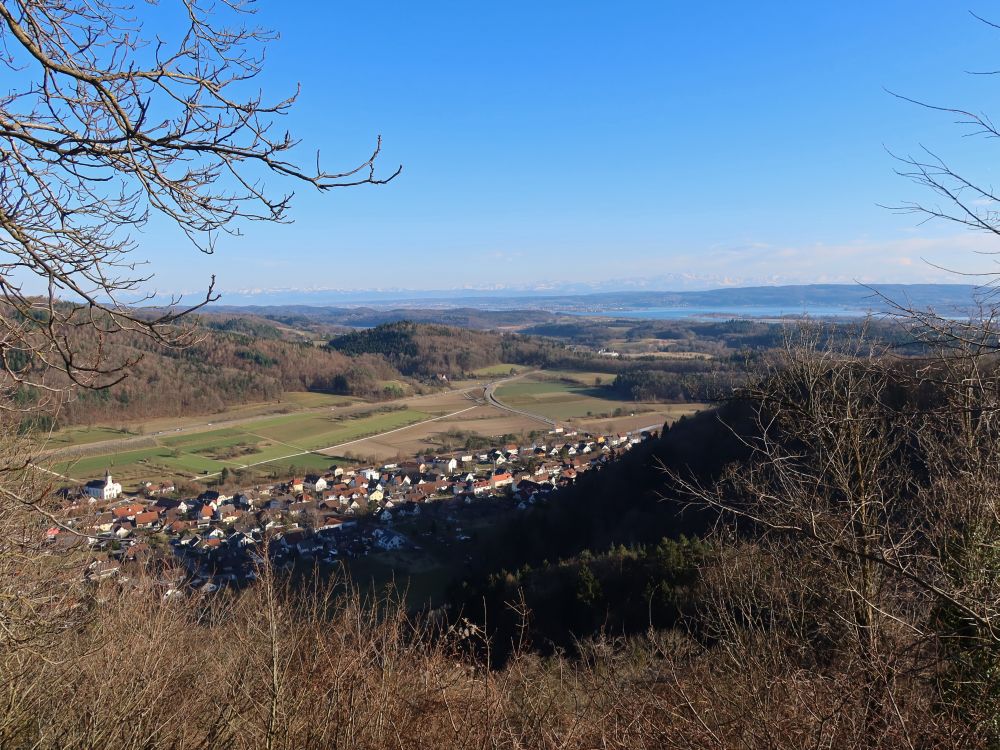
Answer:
[(568, 398), (578, 376), (431, 437), (322, 430), (310, 400), (266, 445), (289, 403), (562, 400), (499, 371), (84, 436), (313, 437), (656, 417), (653, 347)]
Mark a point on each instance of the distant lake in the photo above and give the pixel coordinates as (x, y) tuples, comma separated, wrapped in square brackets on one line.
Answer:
[(727, 313)]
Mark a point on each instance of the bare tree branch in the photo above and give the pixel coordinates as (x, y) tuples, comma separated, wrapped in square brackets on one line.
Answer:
[(107, 126)]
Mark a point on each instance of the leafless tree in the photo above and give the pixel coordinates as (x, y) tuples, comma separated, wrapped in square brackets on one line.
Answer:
[(860, 538), (107, 124), (113, 117), (957, 196)]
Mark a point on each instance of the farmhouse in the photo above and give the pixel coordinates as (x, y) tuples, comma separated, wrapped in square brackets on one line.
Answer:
[(147, 520), (129, 511)]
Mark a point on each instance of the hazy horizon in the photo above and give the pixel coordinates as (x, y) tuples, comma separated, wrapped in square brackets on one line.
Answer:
[(573, 298)]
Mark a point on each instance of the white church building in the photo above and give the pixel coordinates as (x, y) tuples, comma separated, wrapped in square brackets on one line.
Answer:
[(106, 489)]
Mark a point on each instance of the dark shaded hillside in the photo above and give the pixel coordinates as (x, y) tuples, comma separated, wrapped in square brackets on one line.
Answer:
[(614, 550), (624, 502)]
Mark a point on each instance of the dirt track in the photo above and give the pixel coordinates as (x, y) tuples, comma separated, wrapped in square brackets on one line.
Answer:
[(442, 400)]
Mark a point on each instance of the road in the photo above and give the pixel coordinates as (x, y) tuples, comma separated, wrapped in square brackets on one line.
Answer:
[(344, 445), (489, 398), (139, 441), (488, 392)]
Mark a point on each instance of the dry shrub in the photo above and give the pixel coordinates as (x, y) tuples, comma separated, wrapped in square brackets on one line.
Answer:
[(271, 667), (850, 603)]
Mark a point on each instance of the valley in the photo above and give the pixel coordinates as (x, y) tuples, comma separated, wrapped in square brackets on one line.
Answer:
[(309, 431)]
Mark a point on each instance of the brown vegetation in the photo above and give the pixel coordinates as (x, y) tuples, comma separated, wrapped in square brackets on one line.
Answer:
[(866, 527), (851, 601), (217, 371), (852, 598), (271, 668)]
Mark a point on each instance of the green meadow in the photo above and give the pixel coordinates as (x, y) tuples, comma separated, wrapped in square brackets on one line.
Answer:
[(273, 444), (558, 399), (498, 371)]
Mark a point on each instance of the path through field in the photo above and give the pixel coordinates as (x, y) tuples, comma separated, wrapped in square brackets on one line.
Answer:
[(330, 449), (492, 399), (119, 444)]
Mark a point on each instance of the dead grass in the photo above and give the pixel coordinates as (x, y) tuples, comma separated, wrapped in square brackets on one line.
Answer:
[(312, 670), (655, 418), (483, 420)]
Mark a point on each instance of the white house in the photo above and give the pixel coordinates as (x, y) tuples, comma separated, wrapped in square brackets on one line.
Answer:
[(314, 483), (103, 490)]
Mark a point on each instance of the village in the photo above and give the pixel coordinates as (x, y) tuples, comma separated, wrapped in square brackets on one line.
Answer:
[(219, 539)]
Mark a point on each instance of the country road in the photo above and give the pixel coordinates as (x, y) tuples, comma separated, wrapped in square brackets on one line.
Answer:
[(142, 441), (489, 399), (488, 392), (349, 442)]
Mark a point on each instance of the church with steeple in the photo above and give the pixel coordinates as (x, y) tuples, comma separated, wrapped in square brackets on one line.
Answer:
[(106, 489)]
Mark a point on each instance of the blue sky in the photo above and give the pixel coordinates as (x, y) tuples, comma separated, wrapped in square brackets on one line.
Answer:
[(685, 144)]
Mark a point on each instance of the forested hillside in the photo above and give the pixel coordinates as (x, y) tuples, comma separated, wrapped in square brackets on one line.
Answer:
[(239, 359), (243, 359), (424, 350), (615, 550), (220, 371), (230, 362), (236, 360)]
